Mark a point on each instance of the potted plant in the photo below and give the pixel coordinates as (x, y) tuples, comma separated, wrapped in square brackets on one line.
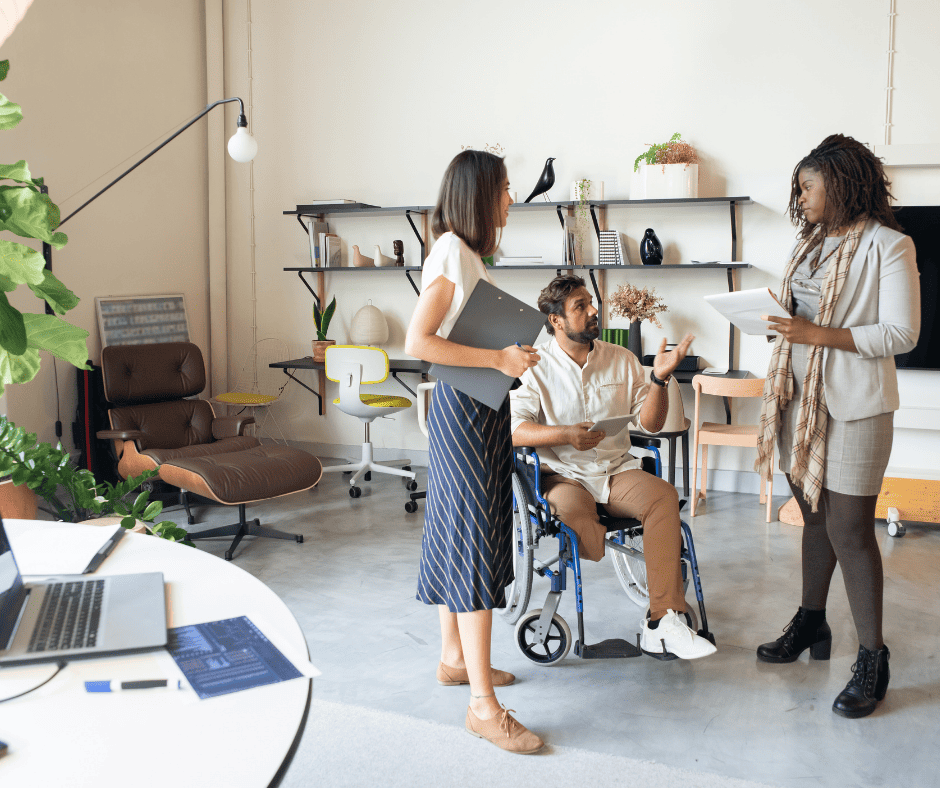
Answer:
[(637, 304), (666, 170), (322, 322), (72, 494)]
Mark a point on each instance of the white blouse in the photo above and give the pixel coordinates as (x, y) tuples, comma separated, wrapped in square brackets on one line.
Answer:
[(451, 258), (557, 392)]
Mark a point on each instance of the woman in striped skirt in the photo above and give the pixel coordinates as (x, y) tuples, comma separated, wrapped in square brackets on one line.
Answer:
[(466, 553)]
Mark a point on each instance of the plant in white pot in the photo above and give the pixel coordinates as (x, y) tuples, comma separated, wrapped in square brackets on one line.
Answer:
[(666, 170)]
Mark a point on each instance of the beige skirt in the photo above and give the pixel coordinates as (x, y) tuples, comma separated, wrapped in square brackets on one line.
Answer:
[(857, 452)]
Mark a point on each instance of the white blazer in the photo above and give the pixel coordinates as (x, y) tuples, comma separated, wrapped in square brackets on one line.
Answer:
[(880, 305)]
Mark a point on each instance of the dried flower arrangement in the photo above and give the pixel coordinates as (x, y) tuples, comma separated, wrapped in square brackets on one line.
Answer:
[(676, 151), (637, 304), (496, 150)]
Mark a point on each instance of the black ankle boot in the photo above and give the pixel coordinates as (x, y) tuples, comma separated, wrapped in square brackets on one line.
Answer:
[(868, 684), (807, 630)]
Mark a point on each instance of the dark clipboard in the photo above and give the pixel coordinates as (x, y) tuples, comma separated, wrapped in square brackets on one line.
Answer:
[(104, 551), (491, 319)]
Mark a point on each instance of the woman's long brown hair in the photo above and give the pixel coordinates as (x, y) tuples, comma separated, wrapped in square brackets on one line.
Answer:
[(468, 203)]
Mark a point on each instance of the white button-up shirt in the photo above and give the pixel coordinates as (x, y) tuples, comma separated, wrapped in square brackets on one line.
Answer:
[(557, 392)]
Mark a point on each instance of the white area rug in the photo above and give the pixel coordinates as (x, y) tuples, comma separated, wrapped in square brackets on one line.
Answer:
[(352, 746)]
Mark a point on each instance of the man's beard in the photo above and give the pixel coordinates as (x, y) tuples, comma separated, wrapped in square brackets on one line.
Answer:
[(585, 337)]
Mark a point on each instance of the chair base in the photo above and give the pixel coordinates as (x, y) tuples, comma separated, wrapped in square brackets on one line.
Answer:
[(242, 529), (368, 464)]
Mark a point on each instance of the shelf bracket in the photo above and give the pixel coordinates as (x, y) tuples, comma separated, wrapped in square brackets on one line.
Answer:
[(597, 293), (312, 391), (418, 236), (312, 291), (413, 285), (734, 238), (560, 217), (300, 219), (597, 227)]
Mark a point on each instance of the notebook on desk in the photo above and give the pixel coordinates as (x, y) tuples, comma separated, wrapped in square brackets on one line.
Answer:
[(491, 319), (73, 616)]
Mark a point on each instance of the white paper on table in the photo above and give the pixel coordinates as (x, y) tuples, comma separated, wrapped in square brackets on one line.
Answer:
[(745, 308), (42, 547)]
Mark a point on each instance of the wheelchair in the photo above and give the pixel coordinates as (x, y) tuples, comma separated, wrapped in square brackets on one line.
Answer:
[(542, 635)]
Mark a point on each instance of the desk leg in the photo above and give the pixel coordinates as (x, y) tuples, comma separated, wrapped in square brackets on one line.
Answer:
[(685, 463)]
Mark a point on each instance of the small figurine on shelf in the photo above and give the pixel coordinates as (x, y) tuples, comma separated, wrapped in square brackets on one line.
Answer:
[(383, 260), (398, 249), (360, 260)]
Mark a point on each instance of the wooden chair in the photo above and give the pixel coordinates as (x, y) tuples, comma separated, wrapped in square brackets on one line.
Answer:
[(709, 433)]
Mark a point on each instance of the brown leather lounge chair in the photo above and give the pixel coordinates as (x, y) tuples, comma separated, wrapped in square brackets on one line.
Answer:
[(154, 427)]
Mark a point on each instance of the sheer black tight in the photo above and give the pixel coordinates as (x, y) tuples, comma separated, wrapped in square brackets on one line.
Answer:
[(843, 531)]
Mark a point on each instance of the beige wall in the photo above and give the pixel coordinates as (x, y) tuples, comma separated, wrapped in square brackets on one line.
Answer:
[(101, 83), (370, 100)]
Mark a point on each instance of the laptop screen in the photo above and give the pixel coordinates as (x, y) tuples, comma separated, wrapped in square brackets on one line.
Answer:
[(11, 590)]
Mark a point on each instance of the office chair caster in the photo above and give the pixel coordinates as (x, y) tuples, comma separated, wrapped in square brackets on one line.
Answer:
[(895, 526), (354, 492), (557, 639), (411, 507), (368, 476), (411, 485)]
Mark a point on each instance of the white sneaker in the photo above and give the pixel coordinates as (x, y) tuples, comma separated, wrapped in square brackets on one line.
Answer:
[(672, 639)]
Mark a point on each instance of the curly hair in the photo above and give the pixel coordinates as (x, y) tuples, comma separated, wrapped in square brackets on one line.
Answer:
[(553, 296), (855, 181), (468, 202)]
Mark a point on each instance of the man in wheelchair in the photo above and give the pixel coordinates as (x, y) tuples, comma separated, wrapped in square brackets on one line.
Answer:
[(579, 381)]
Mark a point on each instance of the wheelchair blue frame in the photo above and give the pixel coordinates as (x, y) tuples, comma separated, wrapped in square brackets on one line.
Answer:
[(527, 467)]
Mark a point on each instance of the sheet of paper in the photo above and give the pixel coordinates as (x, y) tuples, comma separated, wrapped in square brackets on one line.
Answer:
[(744, 308), (50, 548)]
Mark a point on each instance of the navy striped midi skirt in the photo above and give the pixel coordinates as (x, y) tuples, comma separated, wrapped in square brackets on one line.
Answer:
[(466, 550)]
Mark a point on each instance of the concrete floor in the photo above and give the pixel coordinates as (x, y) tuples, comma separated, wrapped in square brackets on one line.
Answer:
[(351, 585)]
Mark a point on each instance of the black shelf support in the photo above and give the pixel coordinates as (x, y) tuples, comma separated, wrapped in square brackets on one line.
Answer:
[(418, 236), (412, 283), (597, 227), (597, 294), (312, 291), (560, 217), (315, 393), (302, 225)]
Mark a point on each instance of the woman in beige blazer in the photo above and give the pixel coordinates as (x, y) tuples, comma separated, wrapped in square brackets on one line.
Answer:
[(851, 286)]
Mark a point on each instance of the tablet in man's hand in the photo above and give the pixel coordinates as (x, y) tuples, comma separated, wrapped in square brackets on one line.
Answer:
[(612, 426)]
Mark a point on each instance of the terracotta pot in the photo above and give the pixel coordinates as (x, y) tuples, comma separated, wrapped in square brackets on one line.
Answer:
[(319, 348), (17, 503)]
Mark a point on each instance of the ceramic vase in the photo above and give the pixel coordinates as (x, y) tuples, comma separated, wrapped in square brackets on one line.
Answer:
[(635, 341), (651, 250), (665, 182)]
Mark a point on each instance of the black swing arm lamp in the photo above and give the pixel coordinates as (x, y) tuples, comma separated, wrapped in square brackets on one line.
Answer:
[(242, 147)]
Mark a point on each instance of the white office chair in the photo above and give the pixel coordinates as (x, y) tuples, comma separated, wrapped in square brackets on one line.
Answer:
[(424, 405), (353, 366)]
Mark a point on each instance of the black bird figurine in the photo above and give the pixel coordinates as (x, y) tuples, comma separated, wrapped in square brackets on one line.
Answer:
[(546, 180)]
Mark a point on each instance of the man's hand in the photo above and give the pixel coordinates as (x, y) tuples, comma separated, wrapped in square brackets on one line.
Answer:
[(665, 363), (581, 437)]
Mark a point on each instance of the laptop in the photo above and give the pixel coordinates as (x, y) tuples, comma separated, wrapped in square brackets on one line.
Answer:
[(75, 616), (491, 319)]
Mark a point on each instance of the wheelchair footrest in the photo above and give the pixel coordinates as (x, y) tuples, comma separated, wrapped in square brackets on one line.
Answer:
[(614, 648)]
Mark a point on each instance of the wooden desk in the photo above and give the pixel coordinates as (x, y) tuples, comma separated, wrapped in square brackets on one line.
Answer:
[(61, 735), (395, 366)]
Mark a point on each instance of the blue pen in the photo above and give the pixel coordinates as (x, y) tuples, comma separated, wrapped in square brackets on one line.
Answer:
[(123, 686)]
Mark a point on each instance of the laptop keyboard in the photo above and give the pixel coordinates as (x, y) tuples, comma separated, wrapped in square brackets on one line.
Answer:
[(70, 616)]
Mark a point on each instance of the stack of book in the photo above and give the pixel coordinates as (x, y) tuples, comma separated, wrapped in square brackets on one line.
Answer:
[(611, 249), (325, 247)]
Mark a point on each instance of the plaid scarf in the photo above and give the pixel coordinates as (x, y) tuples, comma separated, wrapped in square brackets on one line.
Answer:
[(808, 453)]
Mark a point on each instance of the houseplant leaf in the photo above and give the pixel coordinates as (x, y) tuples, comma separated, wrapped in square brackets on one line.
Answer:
[(18, 369), (4, 69), (56, 294), (327, 317), (10, 114), (19, 265), (29, 214), (12, 328), (18, 172), (63, 340)]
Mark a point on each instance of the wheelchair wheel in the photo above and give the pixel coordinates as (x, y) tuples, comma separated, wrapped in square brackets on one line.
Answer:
[(556, 644), (631, 572), (517, 592)]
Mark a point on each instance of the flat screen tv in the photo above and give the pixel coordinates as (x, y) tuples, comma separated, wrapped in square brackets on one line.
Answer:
[(922, 223)]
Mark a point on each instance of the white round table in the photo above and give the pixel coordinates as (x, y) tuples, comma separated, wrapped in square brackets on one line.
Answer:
[(61, 735)]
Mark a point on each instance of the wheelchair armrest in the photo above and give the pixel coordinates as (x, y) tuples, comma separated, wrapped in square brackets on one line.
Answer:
[(644, 441), (230, 426)]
